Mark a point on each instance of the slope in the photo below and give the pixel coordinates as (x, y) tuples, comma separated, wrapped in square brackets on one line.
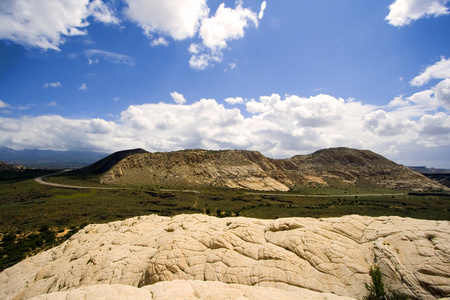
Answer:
[(330, 168)]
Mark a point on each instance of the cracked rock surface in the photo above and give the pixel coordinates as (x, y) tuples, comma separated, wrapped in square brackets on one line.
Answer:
[(195, 256)]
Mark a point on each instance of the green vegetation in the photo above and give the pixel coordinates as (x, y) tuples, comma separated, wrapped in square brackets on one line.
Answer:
[(17, 245), (34, 217), (376, 289)]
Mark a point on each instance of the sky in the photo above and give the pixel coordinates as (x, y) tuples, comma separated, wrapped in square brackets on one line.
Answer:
[(281, 77)]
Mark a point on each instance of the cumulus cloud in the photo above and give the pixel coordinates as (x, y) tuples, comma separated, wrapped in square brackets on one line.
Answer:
[(439, 70), (398, 101), (94, 54), (83, 87), (233, 101), (45, 23), (52, 84), (438, 95), (282, 127), (226, 25), (178, 19), (435, 97), (10, 125), (277, 126), (204, 60), (99, 126), (178, 98), (432, 125), (102, 13), (403, 12)]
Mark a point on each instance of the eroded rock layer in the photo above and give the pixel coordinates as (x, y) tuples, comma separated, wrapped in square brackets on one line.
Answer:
[(335, 167), (331, 255)]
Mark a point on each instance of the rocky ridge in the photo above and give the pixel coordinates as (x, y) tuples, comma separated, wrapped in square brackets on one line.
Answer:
[(334, 168), (195, 256)]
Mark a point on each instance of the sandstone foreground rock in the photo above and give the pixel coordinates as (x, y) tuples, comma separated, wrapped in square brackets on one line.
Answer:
[(200, 257)]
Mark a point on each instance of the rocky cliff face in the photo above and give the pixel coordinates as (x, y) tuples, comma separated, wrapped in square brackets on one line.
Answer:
[(337, 168), (197, 256)]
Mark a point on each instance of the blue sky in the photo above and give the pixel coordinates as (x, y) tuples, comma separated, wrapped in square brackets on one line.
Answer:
[(177, 74)]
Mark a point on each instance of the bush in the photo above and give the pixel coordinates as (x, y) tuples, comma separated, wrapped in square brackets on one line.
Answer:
[(44, 228), (376, 288), (10, 237)]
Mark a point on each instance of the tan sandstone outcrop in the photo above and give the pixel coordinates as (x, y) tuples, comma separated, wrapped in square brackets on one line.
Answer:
[(187, 290), (331, 255)]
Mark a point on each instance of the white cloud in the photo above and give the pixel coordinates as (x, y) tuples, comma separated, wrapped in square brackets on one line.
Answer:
[(261, 12), (159, 42), (226, 25), (52, 84), (10, 125), (435, 97), (178, 19), (434, 125), (83, 87), (398, 101), (108, 56), (403, 12), (93, 61), (53, 103), (439, 70), (204, 60), (178, 98), (99, 126), (45, 23), (438, 95), (101, 12), (384, 124), (442, 93), (407, 130), (3, 104), (233, 101)]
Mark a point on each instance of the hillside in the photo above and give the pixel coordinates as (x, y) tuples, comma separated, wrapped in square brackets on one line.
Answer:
[(331, 168), (108, 162)]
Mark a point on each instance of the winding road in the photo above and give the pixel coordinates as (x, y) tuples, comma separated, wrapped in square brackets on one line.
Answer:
[(40, 180)]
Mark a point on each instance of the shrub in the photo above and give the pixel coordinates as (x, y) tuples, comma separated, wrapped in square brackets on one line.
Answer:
[(10, 237), (44, 228), (376, 289)]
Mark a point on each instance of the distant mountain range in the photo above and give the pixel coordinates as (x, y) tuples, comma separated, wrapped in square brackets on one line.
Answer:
[(425, 170), (49, 158)]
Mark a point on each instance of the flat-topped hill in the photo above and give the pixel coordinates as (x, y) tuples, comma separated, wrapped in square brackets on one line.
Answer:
[(333, 168)]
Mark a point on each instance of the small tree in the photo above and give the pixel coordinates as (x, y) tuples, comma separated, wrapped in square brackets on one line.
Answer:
[(376, 288)]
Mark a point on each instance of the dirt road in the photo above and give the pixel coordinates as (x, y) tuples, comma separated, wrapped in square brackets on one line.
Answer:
[(41, 181)]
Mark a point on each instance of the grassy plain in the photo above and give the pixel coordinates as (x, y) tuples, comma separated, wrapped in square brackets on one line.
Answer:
[(34, 217)]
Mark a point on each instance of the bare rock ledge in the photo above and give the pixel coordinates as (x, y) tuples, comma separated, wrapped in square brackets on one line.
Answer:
[(202, 257)]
